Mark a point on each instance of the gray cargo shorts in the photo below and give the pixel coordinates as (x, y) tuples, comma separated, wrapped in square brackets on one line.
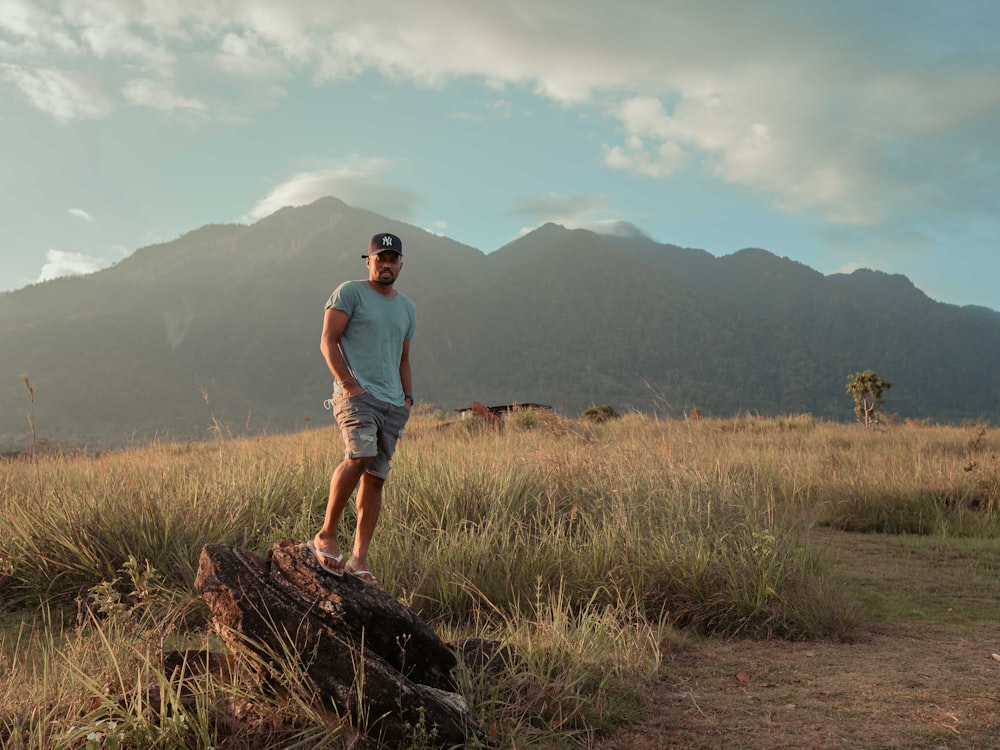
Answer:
[(370, 427)]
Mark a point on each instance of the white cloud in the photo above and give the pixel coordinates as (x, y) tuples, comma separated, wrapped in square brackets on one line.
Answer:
[(357, 181), (827, 134), (118, 30), (295, 30), (61, 263), (80, 214), (158, 95), (64, 95), (245, 54), (111, 40), (783, 99), (19, 18), (558, 207), (580, 211), (656, 160)]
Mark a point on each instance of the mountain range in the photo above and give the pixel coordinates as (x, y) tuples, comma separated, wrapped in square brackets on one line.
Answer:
[(222, 326)]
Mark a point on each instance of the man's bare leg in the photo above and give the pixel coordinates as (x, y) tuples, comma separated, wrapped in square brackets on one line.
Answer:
[(369, 507), (345, 479)]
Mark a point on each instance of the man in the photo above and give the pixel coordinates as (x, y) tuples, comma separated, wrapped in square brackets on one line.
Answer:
[(366, 343)]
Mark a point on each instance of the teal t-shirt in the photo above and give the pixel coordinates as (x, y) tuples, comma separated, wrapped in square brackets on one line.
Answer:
[(373, 340)]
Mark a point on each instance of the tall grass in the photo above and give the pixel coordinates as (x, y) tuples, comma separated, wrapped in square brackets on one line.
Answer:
[(586, 549), (80, 518)]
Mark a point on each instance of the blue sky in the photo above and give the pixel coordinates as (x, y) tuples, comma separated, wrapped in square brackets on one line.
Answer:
[(840, 134)]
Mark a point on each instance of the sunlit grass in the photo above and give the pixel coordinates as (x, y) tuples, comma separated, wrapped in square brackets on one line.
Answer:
[(586, 549)]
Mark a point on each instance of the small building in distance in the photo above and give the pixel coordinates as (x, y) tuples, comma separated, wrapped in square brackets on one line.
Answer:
[(497, 412)]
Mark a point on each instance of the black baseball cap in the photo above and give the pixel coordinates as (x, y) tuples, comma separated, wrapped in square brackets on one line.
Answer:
[(384, 242)]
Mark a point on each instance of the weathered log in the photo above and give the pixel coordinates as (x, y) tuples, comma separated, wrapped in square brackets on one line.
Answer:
[(367, 613), (338, 630)]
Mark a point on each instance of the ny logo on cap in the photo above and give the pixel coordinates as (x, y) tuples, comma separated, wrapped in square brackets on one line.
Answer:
[(382, 242)]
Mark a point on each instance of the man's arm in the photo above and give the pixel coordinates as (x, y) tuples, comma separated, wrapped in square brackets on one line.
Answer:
[(334, 324), (404, 372)]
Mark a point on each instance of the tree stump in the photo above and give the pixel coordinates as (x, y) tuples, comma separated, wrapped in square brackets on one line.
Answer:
[(335, 628)]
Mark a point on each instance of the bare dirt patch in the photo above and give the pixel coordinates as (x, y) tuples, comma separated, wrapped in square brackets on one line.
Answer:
[(921, 675)]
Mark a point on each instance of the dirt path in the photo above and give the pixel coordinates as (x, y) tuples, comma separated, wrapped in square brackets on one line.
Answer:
[(922, 676)]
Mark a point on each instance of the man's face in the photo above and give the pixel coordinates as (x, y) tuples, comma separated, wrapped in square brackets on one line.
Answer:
[(384, 268)]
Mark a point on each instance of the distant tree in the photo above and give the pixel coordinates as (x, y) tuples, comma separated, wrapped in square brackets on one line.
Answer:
[(866, 388), (599, 413)]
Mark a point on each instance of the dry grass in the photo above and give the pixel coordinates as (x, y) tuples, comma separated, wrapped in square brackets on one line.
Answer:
[(620, 560), (920, 675)]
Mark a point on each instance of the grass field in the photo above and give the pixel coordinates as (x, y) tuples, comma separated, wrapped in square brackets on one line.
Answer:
[(746, 583)]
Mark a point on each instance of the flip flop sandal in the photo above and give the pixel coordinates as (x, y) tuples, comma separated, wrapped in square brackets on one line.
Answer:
[(320, 555), (365, 575)]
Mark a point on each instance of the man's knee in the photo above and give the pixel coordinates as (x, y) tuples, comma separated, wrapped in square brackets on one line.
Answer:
[(373, 480), (358, 464)]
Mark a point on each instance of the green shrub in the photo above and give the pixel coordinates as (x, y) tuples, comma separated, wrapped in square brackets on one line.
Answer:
[(599, 414)]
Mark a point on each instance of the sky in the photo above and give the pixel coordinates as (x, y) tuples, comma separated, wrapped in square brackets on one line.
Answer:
[(842, 134)]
